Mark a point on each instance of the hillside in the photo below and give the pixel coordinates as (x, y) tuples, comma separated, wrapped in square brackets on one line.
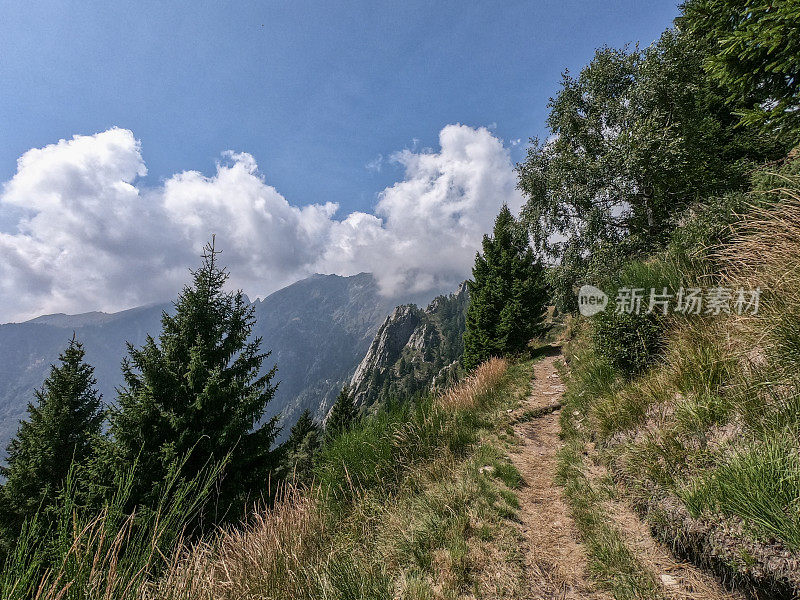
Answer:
[(318, 330), (429, 512), (694, 417)]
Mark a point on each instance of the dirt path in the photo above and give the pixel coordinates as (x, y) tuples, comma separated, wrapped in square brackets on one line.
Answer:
[(556, 561)]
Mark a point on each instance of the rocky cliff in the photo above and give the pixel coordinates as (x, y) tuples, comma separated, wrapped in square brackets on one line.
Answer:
[(414, 351)]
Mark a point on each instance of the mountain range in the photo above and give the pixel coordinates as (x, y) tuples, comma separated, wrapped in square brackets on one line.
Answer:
[(317, 329)]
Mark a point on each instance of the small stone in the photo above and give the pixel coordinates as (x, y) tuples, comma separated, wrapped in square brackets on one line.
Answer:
[(486, 469), (668, 580)]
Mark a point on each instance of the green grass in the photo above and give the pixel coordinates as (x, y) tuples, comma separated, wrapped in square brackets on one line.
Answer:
[(612, 563), (435, 498), (760, 484), (74, 553), (377, 453)]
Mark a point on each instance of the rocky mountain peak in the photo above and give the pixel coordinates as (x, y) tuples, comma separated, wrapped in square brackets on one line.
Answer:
[(412, 350)]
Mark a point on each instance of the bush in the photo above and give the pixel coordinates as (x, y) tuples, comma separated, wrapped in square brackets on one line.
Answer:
[(630, 342)]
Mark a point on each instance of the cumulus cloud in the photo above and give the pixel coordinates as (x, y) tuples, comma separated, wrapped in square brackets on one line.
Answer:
[(90, 236)]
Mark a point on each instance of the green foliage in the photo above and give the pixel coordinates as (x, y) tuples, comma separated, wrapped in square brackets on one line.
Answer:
[(755, 56), (631, 341), (343, 414), (761, 485), (59, 433), (75, 552), (374, 454), (301, 448), (508, 295), (198, 392), (638, 137), (706, 228)]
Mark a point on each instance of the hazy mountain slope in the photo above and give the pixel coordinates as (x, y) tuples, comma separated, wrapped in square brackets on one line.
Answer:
[(318, 330), (28, 349)]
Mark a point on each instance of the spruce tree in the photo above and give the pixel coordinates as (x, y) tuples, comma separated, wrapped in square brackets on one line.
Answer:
[(198, 391), (61, 429), (301, 448), (508, 295), (343, 413)]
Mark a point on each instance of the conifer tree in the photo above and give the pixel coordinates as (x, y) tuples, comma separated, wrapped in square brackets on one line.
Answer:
[(198, 391), (61, 429), (343, 413), (301, 447), (508, 295)]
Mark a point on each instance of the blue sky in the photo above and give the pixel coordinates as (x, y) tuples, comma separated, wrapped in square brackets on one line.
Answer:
[(315, 91), (366, 136)]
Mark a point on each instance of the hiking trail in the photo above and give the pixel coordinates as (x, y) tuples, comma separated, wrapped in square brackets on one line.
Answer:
[(557, 563)]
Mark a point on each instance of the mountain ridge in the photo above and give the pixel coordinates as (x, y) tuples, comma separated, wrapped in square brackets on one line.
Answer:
[(317, 330), (415, 351)]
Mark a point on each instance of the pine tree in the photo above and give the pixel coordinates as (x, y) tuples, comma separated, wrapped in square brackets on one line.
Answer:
[(61, 429), (508, 295), (198, 392), (343, 413), (304, 441)]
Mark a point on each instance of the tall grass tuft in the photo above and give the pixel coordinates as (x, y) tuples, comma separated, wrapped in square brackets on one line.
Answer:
[(76, 553), (279, 553), (760, 484)]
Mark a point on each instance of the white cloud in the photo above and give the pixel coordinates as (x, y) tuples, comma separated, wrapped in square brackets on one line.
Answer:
[(92, 237)]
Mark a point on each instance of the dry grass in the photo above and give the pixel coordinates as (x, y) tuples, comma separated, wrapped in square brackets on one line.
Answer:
[(98, 546), (766, 254), (444, 534), (473, 390), (278, 554)]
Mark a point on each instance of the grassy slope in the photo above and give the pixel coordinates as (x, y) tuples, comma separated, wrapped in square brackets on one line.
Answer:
[(706, 441), (404, 507)]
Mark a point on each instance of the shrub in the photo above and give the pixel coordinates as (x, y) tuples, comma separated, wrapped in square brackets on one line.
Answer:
[(629, 341)]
